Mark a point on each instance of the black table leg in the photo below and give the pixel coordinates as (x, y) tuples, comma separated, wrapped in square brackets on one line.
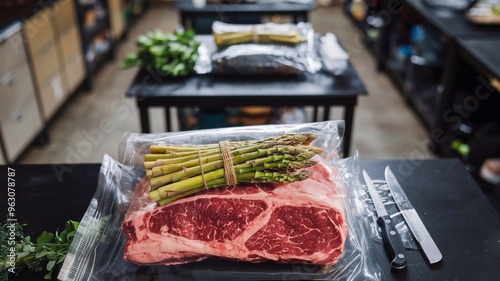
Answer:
[(167, 119), (184, 19), (143, 111), (315, 114), (349, 119), (445, 102), (299, 17), (326, 113)]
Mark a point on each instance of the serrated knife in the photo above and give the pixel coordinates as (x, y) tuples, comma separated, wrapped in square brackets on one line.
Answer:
[(412, 218), (390, 236)]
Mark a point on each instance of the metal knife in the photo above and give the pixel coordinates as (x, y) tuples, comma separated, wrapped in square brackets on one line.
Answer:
[(412, 218), (392, 241)]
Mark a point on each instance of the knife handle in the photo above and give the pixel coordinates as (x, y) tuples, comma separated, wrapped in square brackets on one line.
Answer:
[(393, 243)]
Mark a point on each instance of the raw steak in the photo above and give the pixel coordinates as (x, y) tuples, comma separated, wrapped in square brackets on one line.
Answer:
[(300, 222)]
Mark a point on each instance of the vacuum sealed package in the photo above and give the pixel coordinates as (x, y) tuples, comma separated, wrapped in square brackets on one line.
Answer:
[(270, 202), (262, 59), (226, 34), (257, 59), (263, 49)]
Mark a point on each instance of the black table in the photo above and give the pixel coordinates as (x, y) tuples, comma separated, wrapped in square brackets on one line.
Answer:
[(457, 214), (319, 89), (47, 196), (449, 22), (201, 19), (482, 53)]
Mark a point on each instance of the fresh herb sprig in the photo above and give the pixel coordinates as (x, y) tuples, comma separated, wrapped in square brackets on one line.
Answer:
[(170, 54), (47, 253), (496, 10)]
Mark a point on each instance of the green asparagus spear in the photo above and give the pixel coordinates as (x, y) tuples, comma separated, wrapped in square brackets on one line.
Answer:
[(178, 171)]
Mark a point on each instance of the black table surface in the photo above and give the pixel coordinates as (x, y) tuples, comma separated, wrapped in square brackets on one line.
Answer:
[(240, 90), (450, 22), (282, 7), (460, 219), (47, 196), (483, 53), (457, 214)]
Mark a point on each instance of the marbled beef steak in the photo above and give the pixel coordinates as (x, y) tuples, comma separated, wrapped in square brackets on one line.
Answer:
[(301, 222)]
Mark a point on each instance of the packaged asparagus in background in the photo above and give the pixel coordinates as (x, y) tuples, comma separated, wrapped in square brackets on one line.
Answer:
[(264, 49), (226, 34), (268, 202)]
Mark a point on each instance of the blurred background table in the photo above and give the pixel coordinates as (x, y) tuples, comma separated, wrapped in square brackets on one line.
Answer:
[(200, 18)]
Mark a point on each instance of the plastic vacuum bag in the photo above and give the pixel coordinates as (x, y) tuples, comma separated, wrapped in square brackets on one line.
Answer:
[(264, 49), (283, 49), (401, 226), (335, 59), (257, 59), (262, 59), (97, 250)]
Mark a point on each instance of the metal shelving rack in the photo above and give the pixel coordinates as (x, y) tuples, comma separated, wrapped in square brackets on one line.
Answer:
[(95, 29)]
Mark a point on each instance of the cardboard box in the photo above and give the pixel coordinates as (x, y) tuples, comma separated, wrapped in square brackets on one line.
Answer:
[(64, 14), (38, 31), (15, 87), (19, 127), (52, 95), (45, 63), (74, 72), (11, 53), (69, 43)]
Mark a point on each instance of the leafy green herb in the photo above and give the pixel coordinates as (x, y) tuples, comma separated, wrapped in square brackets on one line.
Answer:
[(496, 9), (170, 54), (47, 253)]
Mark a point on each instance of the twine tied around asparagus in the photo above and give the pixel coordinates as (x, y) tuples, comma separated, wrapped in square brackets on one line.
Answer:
[(227, 159), (175, 172), (255, 34)]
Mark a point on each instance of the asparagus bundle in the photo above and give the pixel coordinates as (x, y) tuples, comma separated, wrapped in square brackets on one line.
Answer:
[(227, 39), (178, 171), (271, 33)]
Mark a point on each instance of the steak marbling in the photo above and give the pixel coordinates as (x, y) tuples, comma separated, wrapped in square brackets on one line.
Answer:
[(301, 222)]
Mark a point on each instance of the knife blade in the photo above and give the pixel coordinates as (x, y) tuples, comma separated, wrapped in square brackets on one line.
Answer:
[(390, 236), (412, 218)]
